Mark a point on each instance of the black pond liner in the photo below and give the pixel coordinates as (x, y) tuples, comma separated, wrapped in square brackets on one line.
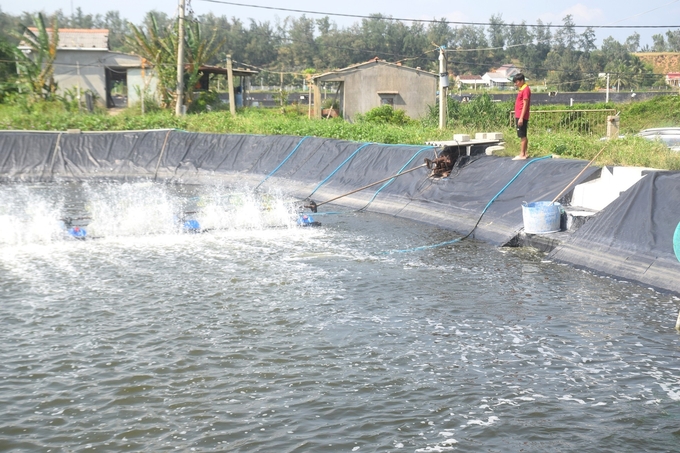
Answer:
[(631, 239)]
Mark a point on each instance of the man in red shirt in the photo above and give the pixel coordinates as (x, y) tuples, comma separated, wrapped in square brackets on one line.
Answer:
[(522, 105)]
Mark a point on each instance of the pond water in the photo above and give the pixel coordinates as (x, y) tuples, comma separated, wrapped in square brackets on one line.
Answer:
[(259, 335)]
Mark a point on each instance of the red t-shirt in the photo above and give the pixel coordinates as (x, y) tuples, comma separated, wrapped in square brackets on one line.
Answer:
[(523, 93)]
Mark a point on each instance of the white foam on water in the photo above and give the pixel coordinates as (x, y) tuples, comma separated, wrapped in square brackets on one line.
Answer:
[(27, 217), (490, 421), (131, 209), (672, 394), (435, 449), (571, 398)]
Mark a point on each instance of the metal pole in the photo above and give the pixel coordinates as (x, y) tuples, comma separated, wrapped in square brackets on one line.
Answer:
[(607, 100), (443, 84), (180, 60)]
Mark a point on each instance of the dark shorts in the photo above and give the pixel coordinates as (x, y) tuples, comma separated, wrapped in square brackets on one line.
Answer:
[(521, 130)]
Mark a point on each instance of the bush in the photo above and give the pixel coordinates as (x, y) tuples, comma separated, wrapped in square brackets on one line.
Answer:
[(385, 114), (205, 102), (481, 113), (330, 103)]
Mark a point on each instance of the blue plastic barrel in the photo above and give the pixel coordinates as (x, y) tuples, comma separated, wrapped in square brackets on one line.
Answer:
[(541, 217)]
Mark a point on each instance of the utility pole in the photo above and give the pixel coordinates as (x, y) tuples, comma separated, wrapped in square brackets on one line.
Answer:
[(443, 85), (143, 90), (607, 99), (230, 84), (180, 61), (78, 70)]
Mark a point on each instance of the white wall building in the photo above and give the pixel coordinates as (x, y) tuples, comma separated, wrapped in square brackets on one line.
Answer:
[(85, 64)]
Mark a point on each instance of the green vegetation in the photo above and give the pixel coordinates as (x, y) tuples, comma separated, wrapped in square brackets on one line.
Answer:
[(385, 114), (383, 125), (158, 47), (561, 55), (37, 70)]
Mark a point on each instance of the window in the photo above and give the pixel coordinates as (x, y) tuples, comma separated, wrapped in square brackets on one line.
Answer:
[(387, 97)]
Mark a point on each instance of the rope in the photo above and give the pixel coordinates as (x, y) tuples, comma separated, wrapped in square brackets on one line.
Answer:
[(441, 244), (577, 176), (371, 184), (158, 164), (339, 167), (57, 149), (283, 162)]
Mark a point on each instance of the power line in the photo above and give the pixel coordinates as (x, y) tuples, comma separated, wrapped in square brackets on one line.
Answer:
[(380, 17)]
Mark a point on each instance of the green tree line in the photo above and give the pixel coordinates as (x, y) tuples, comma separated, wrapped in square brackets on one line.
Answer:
[(560, 57)]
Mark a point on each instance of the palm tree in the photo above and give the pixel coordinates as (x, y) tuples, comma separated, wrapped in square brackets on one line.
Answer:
[(159, 48), (198, 52), (36, 65)]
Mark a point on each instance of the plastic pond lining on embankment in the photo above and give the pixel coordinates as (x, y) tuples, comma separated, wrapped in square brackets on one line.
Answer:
[(632, 238)]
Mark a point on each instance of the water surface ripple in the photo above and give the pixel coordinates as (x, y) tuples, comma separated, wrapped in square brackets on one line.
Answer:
[(286, 339)]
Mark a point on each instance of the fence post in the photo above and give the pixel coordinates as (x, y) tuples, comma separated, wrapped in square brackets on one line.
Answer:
[(613, 123)]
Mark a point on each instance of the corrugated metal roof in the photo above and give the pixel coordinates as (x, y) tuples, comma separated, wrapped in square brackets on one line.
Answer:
[(78, 38), (496, 77)]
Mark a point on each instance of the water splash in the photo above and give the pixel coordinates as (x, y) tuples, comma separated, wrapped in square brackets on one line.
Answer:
[(35, 215), (27, 216)]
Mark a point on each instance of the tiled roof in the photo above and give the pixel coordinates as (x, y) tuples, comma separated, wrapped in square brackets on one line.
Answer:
[(78, 38), (372, 61)]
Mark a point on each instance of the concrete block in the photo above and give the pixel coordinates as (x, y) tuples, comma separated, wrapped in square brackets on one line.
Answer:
[(461, 137), (599, 193), (489, 136), (494, 149)]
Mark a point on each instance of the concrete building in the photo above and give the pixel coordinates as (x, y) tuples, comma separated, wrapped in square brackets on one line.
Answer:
[(673, 79), (368, 85), (497, 80), (469, 81), (508, 70), (85, 64), (501, 78)]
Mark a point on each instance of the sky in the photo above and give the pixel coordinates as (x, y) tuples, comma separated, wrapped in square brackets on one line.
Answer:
[(591, 13)]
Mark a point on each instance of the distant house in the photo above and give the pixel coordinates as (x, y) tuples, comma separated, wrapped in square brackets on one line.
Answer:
[(467, 81), (84, 63), (673, 79), (508, 70), (501, 78), (496, 80), (364, 86)]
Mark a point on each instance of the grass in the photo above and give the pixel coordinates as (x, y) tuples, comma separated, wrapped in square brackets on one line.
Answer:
[(473, 117)]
